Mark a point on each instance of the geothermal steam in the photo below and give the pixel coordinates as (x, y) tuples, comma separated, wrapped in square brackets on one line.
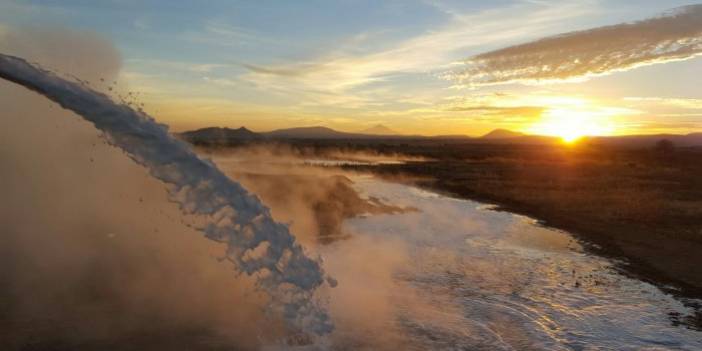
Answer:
[(256, 244)]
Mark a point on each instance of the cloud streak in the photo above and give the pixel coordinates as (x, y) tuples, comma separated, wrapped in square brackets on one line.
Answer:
[(689, 104), (517, 110), (342, 70), (672, 36)]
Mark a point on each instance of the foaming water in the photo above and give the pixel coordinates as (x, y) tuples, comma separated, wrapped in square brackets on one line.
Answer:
[(256, 244), (466, 277)]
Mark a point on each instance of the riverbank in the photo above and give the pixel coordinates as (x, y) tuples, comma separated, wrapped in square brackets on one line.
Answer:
[(643, 207)]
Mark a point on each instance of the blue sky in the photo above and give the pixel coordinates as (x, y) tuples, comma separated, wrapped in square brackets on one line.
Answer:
[(352, 64)]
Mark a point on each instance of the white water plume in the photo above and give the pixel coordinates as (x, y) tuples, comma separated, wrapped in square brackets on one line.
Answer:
[(256, 244)]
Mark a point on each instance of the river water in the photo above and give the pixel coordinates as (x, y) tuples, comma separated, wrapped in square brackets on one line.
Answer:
[(458, 275)]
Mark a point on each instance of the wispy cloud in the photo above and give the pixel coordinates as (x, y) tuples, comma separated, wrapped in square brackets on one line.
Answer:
[(298, 70), (497, 110), (691, 104), (490, 106), (344, 70), (222, 35), (675, 35), (176, 65)]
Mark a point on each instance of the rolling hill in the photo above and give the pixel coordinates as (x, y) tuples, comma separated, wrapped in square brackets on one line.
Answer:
[(218, 135), (310, 133)]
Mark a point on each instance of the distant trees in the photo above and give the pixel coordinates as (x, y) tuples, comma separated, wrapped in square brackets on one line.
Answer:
[(665, 146)]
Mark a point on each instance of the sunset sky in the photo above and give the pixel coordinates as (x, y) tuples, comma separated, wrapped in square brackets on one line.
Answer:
[(419, 67)]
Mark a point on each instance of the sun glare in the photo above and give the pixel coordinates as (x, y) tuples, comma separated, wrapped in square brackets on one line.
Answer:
[(572, 123)]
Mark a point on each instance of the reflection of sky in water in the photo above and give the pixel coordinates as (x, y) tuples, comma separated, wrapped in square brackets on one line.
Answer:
[(456, 275)]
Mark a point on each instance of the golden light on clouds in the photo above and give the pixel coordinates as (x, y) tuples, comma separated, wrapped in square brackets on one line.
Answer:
[(673, 36)]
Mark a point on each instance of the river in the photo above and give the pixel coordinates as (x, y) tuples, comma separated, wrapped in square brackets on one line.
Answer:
[(459, 275)]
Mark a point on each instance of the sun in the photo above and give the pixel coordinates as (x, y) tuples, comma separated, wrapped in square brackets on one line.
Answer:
[(572, 124), (570, 138)]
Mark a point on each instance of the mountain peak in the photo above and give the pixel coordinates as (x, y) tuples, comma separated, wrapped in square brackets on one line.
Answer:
[(501, 133), (378, 129)]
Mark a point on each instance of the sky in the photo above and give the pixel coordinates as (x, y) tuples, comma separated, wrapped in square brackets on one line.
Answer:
[(431, 67)]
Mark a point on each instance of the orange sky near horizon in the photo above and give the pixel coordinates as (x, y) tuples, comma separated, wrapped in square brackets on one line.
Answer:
[(566, 68)]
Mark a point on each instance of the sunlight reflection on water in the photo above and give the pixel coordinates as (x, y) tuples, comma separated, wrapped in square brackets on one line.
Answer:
[(456, 275)]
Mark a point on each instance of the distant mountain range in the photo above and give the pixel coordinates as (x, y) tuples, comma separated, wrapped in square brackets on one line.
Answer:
[(217, 135), (228, 135)]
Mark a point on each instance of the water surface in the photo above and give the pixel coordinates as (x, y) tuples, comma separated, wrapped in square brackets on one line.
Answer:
[(457, 275)]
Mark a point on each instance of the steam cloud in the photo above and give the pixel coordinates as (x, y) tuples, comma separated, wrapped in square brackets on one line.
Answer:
[(255, 242), (675, 35)]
